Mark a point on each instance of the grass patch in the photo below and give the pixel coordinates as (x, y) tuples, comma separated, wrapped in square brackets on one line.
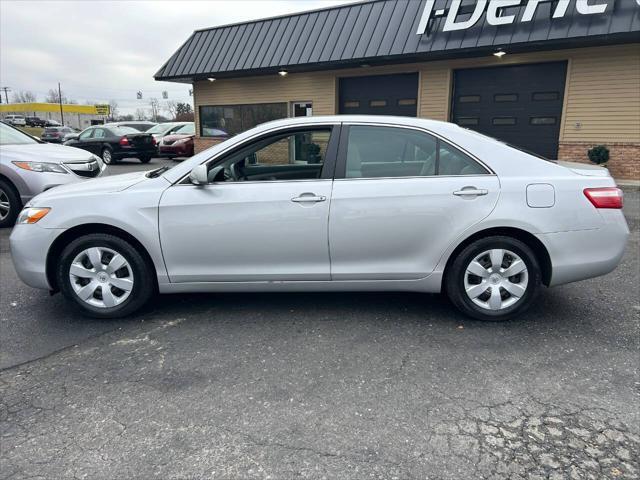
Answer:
[(34, 131)]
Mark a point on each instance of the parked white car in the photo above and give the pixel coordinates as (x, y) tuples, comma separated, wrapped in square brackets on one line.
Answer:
[(329, 203), (29, 167), (16, 120)]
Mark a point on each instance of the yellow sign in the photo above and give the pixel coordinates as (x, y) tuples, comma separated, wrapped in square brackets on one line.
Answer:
[(103, 110)]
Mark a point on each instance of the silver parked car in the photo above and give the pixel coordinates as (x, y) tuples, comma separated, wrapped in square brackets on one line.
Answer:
[(329, 203), (29, 167)]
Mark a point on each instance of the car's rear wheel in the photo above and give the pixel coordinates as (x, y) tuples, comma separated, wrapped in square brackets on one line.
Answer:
[(494, 278), (145, 159), (104, 276), (10, 204), (107, 156)]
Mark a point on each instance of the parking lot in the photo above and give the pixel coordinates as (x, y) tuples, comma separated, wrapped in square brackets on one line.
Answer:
[(344, 386)]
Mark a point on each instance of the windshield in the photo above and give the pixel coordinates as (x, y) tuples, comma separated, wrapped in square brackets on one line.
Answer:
[(161, 128), (13, 136), (187, 129)]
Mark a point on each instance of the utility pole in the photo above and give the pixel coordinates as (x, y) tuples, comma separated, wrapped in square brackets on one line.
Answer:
[(60, 100), (6, 95)]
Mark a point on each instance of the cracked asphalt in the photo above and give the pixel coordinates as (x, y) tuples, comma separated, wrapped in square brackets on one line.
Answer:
[(345, 386)]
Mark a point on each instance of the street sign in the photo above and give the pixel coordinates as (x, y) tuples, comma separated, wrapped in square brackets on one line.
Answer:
[(103, 110)]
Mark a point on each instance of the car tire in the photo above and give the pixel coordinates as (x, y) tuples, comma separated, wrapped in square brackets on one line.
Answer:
[(145, 159), (10, 204), (107, 156), (83, 273), (479, 288)]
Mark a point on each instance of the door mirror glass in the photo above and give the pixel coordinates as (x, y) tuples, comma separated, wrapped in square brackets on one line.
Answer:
[(199, 175)]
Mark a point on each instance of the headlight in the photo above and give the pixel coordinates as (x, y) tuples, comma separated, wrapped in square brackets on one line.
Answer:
[(41, 167), (32, 214), (182, 140)]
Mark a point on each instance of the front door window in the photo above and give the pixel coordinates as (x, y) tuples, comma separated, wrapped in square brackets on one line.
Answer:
[(291, 156)]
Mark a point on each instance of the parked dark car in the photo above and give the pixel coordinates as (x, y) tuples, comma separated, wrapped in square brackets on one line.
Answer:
[(115, 143), (55, 134), (140, 125), (35, 122), (52, 123)]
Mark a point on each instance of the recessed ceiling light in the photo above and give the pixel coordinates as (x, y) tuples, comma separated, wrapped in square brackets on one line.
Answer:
[(283, 73), (500, 53), (211, 79)]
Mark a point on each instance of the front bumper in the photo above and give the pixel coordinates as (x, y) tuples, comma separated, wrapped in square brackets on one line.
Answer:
[(30, 245), (178, 150), (579, 255)]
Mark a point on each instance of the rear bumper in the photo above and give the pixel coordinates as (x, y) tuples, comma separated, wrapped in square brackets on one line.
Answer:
[(135, 152), (29, 248), (579, 255)]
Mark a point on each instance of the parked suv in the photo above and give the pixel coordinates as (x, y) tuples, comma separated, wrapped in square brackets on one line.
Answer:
[(56, 134), (16, 120), (35, 122), (114, 143)]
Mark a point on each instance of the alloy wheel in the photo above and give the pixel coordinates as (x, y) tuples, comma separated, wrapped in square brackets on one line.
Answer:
[(106, 156), (496, 279), (5, 206), (101, 277)]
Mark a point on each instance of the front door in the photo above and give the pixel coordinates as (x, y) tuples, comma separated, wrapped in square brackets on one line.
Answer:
[(263, 216), (403, 198)]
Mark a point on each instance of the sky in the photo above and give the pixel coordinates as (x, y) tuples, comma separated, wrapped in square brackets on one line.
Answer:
[(103, 50)]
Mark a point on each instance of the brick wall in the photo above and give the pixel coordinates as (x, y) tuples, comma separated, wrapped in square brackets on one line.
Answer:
[(200, 144), (624, 161)]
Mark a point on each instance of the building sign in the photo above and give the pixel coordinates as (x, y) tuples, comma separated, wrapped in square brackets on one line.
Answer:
[(103, 110), (494, 10)]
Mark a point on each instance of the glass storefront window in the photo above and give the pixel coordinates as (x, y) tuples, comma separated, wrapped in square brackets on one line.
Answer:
[(229, 120)]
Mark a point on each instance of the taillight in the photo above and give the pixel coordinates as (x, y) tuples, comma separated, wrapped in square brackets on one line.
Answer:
[(153, 140), (605, 197), (124, 141)]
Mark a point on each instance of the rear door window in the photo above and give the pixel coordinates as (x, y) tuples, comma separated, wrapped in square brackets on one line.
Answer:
[(389, 152)]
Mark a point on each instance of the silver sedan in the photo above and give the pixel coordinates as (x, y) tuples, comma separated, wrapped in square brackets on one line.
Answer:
[(329, 203)]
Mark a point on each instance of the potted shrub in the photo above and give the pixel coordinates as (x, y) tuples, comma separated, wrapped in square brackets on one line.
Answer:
[(599, 155)]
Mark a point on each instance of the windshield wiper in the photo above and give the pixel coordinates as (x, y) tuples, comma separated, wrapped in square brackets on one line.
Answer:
[(157, 172)]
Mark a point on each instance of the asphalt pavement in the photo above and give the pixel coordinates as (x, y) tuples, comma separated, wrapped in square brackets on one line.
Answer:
[(342, 386)]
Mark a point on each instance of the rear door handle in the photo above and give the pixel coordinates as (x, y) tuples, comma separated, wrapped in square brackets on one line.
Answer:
[(471, 192), (309, 198)]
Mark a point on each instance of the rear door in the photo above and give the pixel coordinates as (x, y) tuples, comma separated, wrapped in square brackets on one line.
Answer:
[(400, 198)]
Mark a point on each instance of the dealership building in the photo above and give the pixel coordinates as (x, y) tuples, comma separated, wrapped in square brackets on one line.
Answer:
[(554, 77)]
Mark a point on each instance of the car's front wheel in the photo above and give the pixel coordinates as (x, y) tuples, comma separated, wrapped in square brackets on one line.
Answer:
[(9, 204), (494, 278), (104, 276), (145, 159)]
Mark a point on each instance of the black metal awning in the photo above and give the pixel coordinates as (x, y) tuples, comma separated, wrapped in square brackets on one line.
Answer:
[(386, 31)]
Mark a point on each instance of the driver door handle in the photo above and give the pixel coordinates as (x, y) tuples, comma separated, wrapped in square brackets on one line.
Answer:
[(309, 198)]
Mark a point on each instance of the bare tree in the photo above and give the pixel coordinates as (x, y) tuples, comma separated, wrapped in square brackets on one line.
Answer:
[(54, 97), (154, 103), (24, 96), (171, 107), (113, 108), (140, 114)]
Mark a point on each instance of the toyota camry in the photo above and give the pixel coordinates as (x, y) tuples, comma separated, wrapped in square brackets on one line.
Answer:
[(357, 203)]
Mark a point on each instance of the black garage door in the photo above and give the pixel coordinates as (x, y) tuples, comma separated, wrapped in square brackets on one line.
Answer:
[(520, 104), (380, 95)]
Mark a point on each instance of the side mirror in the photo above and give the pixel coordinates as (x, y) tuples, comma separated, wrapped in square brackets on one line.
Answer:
[(199, 175)]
